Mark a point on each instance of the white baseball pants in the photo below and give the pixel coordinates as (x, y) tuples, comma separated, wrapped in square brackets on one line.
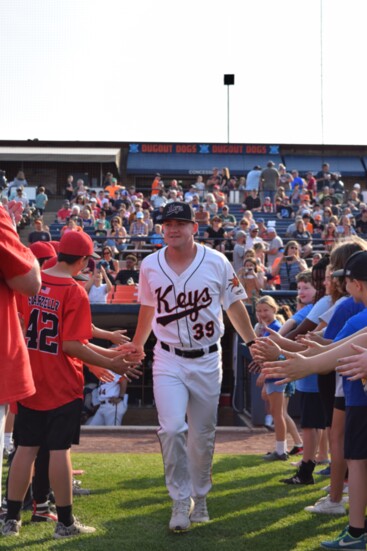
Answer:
[(109, 415), (189, 387)]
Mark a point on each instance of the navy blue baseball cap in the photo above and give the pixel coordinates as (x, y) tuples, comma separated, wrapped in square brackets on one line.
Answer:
[(355, 268), (177, 210)]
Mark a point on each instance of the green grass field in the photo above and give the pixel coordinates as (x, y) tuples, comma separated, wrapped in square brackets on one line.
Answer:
[(130, 508)]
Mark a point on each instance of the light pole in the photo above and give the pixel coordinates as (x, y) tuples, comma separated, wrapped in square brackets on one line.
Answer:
[(228, 81)]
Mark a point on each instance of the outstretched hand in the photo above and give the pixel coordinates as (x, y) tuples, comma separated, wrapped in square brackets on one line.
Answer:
[(354, 367), (292, 368)]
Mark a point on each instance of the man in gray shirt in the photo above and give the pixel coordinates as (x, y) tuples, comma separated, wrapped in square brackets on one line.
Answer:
[(269, 180)]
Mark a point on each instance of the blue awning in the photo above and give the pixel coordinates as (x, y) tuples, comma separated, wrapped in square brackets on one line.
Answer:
[(347, 166), (150, 163)]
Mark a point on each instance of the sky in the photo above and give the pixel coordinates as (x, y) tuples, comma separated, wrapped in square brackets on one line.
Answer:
[(152, 70)]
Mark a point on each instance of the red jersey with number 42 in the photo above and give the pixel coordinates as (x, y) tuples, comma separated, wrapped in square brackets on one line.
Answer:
[(60, 312)]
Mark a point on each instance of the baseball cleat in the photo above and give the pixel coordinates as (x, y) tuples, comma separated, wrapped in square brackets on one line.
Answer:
[(181, 511), (200, 512)]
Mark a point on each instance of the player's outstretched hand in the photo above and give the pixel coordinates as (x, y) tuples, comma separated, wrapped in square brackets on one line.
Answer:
[(265, 349), (354, 367), (292, 368), (119, 337), (101, 373), (132, 353)]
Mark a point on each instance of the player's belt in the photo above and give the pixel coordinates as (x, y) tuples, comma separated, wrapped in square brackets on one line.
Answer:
[(198, 353)]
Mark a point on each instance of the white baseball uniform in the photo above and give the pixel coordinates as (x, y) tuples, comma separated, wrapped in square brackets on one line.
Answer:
[(108, 414), (188, 324)]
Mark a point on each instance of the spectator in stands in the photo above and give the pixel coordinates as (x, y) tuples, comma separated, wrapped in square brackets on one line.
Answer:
[(292, 227), (157, 185), (175, 185), (103, 217), (345, 228), (260, 249), (288, 265), (112, 265), (130, 273), (220, 197), (87, 217), (353, 200), (158, 199), (64, 213), (330, 236), (99, 285), (71, 225), (69, 188), (283, 208), (228, 220), (311, 184), (215, 234), (21, 197), (253, 178), (214, 180), (251, 278), (239, 250), (195, 202), (269, 181), (337, 186), (357, 188), (113, 189), (323, 177), (285, 178), (296, 197), (225, 178), (267, 205), (200, 186), (19, 181), (328, 203), (361, 224), (138, 227), (275, 244), (211, 205), (189, 195), (263, 232), (157, 237), (79, 189), (252, 201), (116, 236), (172, 196), (253, 236), (148, 220), (202, 216), (41, 200), (39, 233), (75, 214), (304, 238), (318, 226), (296, 180), (107, 179)]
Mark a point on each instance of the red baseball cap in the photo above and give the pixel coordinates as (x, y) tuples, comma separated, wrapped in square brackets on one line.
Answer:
[(56, 245), (43, 249), (77, 244), (49, 263)]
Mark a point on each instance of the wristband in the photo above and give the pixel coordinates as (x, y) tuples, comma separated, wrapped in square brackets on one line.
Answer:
[(250, 343)]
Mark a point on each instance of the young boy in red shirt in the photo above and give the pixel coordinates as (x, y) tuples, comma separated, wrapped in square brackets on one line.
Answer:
[(59, 325)]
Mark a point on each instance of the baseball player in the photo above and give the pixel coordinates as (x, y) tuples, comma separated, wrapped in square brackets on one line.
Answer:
[(112, 400), (182, 290)]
